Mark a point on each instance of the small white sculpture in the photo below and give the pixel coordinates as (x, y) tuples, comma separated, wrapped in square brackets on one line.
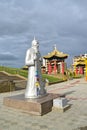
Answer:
[(35, 86)]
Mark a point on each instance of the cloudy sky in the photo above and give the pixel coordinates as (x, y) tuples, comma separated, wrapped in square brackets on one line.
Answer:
[(60, 22)]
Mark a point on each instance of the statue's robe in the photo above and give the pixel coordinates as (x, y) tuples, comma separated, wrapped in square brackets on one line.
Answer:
[(35, 85)]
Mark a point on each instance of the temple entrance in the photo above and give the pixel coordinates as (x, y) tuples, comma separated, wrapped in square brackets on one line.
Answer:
[(55, 62)]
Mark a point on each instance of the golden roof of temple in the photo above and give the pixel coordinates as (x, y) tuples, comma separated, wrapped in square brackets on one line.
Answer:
[(55, 53), (80, 61)]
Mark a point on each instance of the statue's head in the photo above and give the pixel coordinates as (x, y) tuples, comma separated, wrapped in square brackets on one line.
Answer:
[(35, 44)]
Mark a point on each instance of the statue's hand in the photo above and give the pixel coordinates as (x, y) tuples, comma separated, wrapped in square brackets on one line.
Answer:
[(35, 58)]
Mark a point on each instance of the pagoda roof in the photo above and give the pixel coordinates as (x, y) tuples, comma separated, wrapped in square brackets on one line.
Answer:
[(55, 54), (25, 67), (80, 63)]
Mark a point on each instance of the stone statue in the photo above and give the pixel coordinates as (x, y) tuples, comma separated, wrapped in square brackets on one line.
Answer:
[(35, 85)]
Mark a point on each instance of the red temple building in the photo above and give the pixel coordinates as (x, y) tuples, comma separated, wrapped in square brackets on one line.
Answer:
[(54, 62)]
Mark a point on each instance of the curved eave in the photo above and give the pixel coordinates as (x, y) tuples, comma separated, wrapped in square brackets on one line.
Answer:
[(79, 63), (55, 54), (25, 67), (55, 57)]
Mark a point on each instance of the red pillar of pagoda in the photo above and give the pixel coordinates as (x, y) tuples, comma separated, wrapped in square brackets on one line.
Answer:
[(81, 70), (62, 71), (76, 71), (49, 68)]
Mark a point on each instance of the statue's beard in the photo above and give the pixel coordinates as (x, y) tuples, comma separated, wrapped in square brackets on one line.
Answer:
[(36, 49)]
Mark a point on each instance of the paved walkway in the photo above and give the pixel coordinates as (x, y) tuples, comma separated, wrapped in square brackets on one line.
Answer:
[(72, 119)]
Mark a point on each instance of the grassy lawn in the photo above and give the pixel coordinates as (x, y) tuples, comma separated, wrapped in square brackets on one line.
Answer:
[(14, 71), (51, 79), (24, 73)]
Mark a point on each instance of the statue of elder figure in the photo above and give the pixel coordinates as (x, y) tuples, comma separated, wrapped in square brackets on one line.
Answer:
[(35, 86)]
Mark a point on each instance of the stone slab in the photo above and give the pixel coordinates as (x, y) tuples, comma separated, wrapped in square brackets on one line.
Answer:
[(39, 106), (62, 109), (60, 102)]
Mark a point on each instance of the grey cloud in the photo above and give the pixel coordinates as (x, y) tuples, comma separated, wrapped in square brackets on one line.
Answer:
[(7, 56), (61, 22)]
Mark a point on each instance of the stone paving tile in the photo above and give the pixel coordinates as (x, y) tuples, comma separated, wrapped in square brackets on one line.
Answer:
[(75, 117)]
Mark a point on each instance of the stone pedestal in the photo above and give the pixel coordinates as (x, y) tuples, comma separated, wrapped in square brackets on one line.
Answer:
[(61, 104), (39, 106)]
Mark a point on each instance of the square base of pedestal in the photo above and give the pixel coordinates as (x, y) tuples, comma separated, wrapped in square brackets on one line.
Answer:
[(61, 104), (62, 109), (38, 106)]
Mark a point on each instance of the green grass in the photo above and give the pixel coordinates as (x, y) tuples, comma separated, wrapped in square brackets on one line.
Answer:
[(24, 73), (51, 79), (10, 70)]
